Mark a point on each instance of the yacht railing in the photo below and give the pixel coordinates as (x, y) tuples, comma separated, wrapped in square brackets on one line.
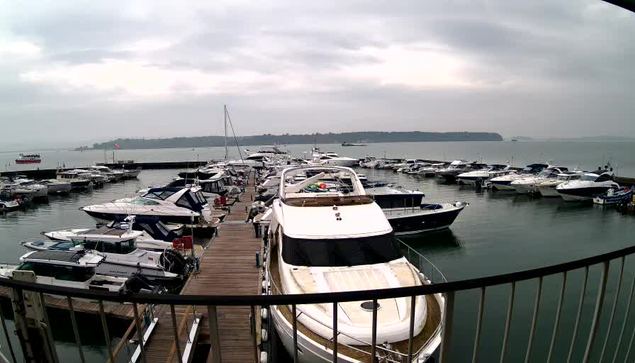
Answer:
[(585, 337)]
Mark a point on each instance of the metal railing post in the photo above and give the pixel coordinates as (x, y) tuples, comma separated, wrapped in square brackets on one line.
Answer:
[(626, 314), (175, 331), (411, 333), (534, 320), (556, 324), (135, 308), (448, 317), (373, 344), (104, 325), (254, 340), (295, 333), (214, 334), (78, 341), (335, 332), (598, 311), (508, 321), (617, 296), (579, 314), (479, 325)]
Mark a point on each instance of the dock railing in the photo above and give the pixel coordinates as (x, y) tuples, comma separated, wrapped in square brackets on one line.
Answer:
[(621, 344)]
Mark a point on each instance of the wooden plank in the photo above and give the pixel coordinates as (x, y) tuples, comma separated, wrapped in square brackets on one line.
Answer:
[(228, 267)]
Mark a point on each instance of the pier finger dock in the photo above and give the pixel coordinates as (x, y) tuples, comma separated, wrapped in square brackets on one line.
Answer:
[(227, 267)]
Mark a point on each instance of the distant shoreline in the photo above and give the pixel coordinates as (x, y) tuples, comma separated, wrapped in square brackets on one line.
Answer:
[(287, 139)]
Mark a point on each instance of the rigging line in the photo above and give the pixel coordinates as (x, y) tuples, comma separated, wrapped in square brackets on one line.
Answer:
[(234, 132)]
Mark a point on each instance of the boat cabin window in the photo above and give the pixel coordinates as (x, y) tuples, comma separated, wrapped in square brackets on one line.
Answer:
[(144, 201), (58, 272), (340, 252), (123, 247), (160, 194), (187, 201), (603, 178)]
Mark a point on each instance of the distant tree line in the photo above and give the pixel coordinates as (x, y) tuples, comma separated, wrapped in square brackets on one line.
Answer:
[(317, 138)]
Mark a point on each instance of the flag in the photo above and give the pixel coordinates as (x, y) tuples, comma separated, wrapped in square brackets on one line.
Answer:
[(117, 146)]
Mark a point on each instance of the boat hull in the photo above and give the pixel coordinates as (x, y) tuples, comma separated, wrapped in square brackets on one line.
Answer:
[(310, 351), (548, 191), (581, 194), (109, 217), (18, 161), (421, 221)]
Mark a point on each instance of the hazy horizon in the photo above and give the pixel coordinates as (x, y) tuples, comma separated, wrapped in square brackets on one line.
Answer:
[(73, 75)]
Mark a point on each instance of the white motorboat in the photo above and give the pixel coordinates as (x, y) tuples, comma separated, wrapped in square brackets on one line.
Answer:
[(431, 171), (424, 218), (78, 179), (76, 269), (122, 257), (333, 159), (483, 175), (529, 184), (352, 248), (9, 205), (504, 182), (111, 175), (155, 236), (30, 188), (170, 205), (456, 168), (57, 186), (407, 163), (588, 186), (547, 188)]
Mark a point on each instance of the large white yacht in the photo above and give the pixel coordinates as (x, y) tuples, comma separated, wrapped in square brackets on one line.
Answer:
[(112, 175), (483, 175), (587, 187), (530, 183), (170, 205), (504, 182), (324, 240), (547, 187)]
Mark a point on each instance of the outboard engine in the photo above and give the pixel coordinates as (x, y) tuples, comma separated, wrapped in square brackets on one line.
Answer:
[(174, 262)]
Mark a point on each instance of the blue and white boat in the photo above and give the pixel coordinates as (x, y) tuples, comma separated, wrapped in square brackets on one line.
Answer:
[(613, 196)]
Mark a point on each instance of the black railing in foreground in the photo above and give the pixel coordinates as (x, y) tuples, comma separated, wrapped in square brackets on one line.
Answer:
[(448, 290)]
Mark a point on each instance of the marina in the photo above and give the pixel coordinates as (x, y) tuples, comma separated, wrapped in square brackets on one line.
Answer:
[(227, 261)]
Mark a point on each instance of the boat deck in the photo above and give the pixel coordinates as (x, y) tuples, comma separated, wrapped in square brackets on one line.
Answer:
[(228, 267)]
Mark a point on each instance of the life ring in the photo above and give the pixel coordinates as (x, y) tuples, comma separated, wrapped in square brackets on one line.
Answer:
[(177, 243)]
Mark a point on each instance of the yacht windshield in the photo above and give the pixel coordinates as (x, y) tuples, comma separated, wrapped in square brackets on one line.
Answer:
[(144, 201), (340, 252), (589, 177)]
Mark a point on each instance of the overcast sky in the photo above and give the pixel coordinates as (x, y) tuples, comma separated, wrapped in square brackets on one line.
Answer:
[(83, 71)]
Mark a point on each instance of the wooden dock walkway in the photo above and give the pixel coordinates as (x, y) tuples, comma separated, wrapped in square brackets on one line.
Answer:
[(228, 267)]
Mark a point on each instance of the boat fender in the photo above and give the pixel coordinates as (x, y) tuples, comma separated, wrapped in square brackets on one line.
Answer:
[(264, 335), (263, 314), (264, 286), (264, 358)]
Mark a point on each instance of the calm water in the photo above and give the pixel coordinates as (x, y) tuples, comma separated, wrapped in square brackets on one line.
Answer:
[(586, 155), (497, 233)]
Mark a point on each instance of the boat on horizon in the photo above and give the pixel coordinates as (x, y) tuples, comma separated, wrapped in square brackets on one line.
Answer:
[(29, 159)]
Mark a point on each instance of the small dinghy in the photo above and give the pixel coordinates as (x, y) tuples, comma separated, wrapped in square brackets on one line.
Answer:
[(613, 196)]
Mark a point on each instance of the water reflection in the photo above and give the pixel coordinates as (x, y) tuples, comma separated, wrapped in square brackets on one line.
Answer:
[(438, 241)]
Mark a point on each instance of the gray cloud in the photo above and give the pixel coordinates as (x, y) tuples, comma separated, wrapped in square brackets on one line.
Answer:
[(542, 68)]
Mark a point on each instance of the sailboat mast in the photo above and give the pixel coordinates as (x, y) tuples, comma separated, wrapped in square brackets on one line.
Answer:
[(225, 116)]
